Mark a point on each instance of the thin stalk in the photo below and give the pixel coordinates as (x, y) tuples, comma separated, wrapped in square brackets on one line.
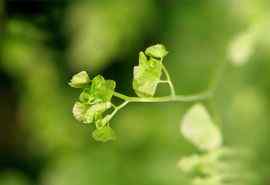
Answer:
[(175, 98), (169, 80), (163, 81), (117, 108)]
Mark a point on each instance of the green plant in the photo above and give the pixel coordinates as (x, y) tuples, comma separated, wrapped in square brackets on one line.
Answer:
[(95, 101)]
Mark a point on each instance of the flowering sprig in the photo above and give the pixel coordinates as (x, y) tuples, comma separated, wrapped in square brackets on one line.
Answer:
[(95, 101)]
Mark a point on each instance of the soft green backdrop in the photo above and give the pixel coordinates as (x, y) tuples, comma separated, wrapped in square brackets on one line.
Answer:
[(43, 43)]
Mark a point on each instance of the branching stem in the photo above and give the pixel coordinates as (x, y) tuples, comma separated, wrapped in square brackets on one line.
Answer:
[(169, 81), (117, 108), (175, 98), (163, 81), (171, 98)]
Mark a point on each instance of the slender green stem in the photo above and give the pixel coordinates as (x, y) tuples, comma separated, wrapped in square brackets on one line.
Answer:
[(114, 106), (169, 81), (122, 96), (175, 98), (117, 108), (163, 81)]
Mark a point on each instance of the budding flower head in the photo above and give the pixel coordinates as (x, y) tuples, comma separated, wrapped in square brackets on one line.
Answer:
[(156, 51), (79, 80), (104, 134), (79, 111), (96, 110)]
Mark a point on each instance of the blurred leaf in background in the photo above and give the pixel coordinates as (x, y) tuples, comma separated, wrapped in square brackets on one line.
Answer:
[(44, 104), (102, 30)]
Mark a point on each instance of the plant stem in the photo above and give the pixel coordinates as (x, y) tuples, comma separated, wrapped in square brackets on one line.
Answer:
[(175, 98), (117, 108), (169, 80), (163, 81)]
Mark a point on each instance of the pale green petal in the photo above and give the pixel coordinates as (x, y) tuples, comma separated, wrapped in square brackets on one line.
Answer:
[(79, 80), (142, 58), (101, 90), (157, 51), (104, 134), (95, 111), (79, 110), (146, 77)]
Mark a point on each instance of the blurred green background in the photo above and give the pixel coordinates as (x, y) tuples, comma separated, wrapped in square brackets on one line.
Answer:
[(43, 43)]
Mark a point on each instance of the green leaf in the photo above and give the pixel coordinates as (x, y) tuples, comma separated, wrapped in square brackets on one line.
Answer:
[(101, 90), (157, 51), (104, 134), (95, 111), (146, 76), (198, 128), (79, 80)]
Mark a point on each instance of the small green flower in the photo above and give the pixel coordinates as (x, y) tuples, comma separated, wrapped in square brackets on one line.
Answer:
[(89, 113), (146, 76), (101, 90), (104, 134), (157, 51), (79, 110), (94, 104), (95, 111), (79, 80)]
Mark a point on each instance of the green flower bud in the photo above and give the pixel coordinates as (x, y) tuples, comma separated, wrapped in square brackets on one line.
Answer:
[(157, 51), (79, 110), (79, 80), (96, 111), (104, 134)]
